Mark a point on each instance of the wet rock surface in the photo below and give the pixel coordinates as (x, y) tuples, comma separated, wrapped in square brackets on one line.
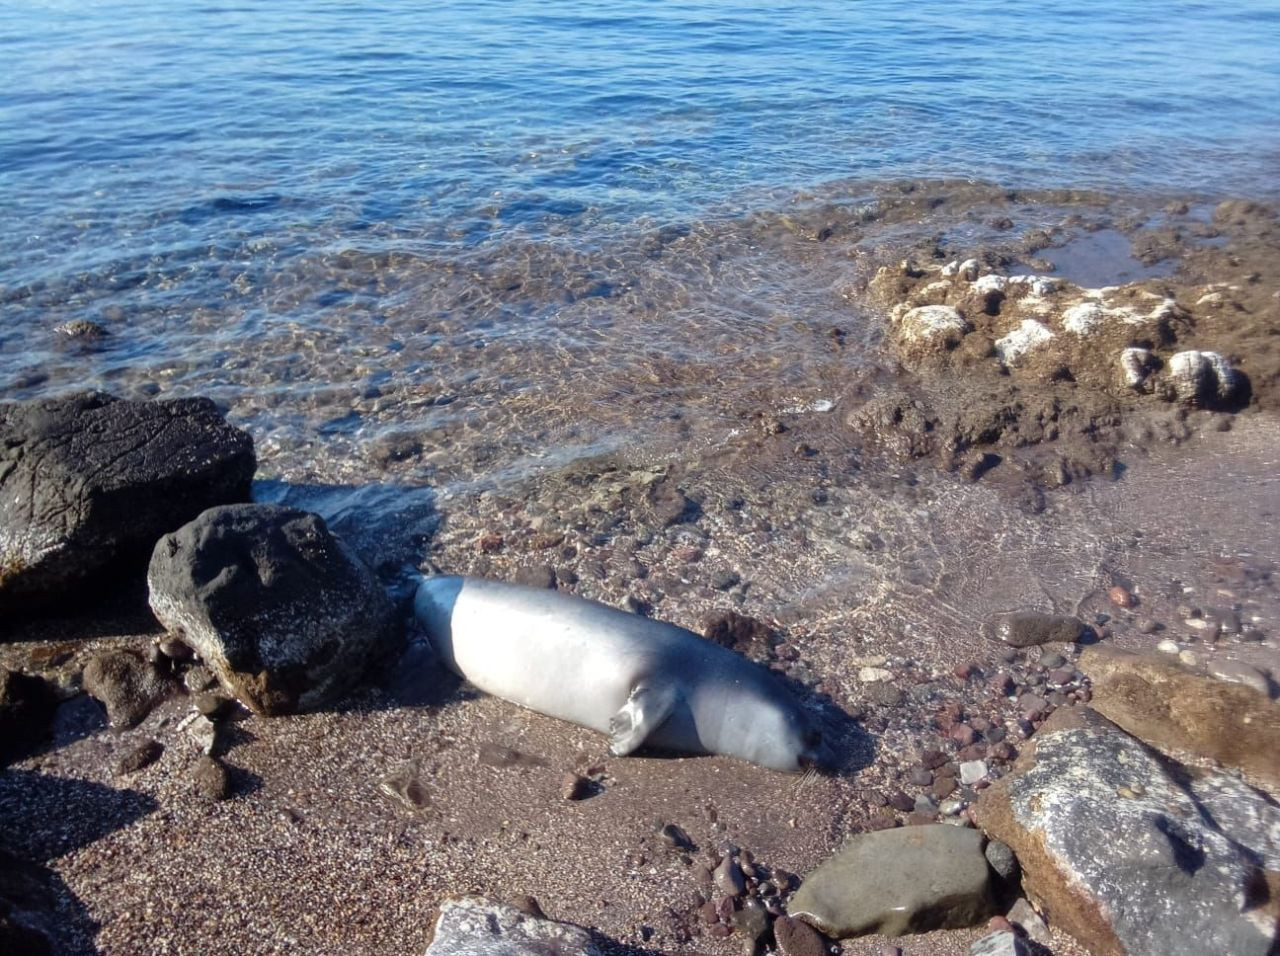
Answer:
[(89, 483), (1178, 711), (1116, 850), (285, 616), (1029, 628), (899, 881), (471, 926)]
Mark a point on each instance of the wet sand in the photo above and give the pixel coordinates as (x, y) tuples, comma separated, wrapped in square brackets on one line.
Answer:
[(655, 482)]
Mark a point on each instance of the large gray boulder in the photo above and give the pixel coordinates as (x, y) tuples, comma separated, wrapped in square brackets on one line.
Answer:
[(89, 482), (1118, 852), (284, 614), (892, 882), (472, 926)]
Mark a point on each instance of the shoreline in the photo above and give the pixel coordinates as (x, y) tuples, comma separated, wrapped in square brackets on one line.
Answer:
[(760, 500)]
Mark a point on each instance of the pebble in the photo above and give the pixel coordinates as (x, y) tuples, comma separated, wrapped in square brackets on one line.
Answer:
[(901, 802), (932, 759), (1240, 673), (1122, 597), (1001, 859), (796, 938), (950, 808), (1023, 914), (752, 921), (729, 879), (1032, 705), (674, 836), (574, 787), (971, 771), (1052, 659), (1147, 626), (1002, 684), (1168, 646), (963, 734), (138, 757), (921, 777), (213, 706), (723, 580), (1189, 658), (944, 787), (197, 679), (869, 675), (211, 779)]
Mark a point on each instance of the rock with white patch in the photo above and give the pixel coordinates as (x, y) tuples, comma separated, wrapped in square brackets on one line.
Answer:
[(1026, 338), (1205, 379), (472, 926), (1137, 366), (1117, 852), (1083, 318), (930, 329)]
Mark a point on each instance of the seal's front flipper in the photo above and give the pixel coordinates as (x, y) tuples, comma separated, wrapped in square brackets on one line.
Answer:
[(642, 714)]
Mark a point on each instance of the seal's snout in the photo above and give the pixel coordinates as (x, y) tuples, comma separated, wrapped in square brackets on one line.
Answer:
[(817, 754)]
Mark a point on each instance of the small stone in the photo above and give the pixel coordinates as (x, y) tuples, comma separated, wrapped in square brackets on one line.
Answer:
[(869, 675), (971, 771), (1002, 684), (729, 879), (211, 779), (796, 938), (139, 756), (1032, 705), (1001, 859), (675, 837), (901, 802), (752, 921), (724, 580), (126, 685), (1023, 914), (1169, 647), (883, 694), (964, 735), (1147, 626), (1029, 628), (574, 787), (1240, 673), (1122, 597), (204, 732), (198, 678), (1051, 659), (214, 706), (921, 777), (1001, 943), (944, 787)]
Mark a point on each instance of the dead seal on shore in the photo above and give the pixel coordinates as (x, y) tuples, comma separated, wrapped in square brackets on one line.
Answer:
[(640, 681)]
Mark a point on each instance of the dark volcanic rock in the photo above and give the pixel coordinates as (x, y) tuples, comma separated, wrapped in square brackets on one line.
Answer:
[(127, 685), (27, 704), (88, 483), (795, 938), (1028, 628), (283, 613), (899, 881), (1117, 852)]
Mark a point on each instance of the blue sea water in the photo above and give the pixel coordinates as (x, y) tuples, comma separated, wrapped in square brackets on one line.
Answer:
[(159, 161)]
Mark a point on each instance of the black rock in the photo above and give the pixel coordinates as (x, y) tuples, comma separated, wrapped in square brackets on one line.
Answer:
[(88, 483), (27, 704), (284, 614)]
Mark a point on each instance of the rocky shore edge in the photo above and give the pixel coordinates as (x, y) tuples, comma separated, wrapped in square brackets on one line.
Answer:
[(1140, 815)]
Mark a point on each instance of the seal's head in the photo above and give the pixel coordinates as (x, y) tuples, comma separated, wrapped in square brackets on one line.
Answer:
[(782, 737)]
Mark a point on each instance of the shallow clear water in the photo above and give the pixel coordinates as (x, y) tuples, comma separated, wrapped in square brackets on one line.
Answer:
[(289, 205)]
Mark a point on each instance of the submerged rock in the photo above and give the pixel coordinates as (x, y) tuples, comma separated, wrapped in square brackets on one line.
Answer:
[(909, 880), (281, 611), (472, 926), (1176, 710), (88, 483), (1117, 852), (1030, 628)]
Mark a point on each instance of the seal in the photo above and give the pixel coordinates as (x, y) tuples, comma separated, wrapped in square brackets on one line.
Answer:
[(642, 682)]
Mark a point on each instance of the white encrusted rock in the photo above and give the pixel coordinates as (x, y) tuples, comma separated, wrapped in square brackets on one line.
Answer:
[(967, 270), (1137, 365), (932, 325), (991, 283), (1083, 317), (1203, 378), (1026, 337)]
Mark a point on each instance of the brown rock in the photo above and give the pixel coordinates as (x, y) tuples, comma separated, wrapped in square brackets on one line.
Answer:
[(126, 685), (795, 938), (211, 779), (1173, 709), (1122, 597)]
